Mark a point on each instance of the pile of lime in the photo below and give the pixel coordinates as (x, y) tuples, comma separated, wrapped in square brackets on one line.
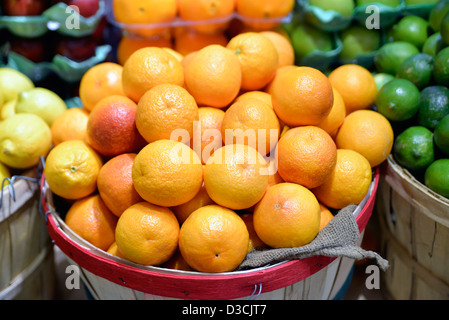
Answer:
[(413, 80)]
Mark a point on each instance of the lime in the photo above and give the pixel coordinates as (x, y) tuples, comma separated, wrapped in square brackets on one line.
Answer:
[(390, 56), (4, 173), (418, 2), (390, 3), (413, 148), (433, 44), (12, 82), (441, 67), (398, 100), (436, 177), (42, 102), (437, 13), (358, 40), (24, 138), (344, 7), (417, 69), (381, 79), (433, 106), (444, 29), (412, 29), (441, 135), (306, 39)]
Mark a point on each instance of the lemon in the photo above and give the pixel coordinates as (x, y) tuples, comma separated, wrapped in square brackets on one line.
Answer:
[(8, 109), (12, 82), (4, 173), (24, 138), (42, 102)]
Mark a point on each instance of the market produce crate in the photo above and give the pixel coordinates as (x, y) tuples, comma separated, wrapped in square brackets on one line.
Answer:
[(58, 42), (414, 224), (109, 277), (26, 250), (166, 27)]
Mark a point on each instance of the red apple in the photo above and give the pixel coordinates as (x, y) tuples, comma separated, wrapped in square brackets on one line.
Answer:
[(87, 8), (77, 49), (32, 49), (24, 7)]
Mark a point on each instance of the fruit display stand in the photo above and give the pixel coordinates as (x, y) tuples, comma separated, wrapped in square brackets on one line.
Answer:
[(45, 44), (26, 250), (330, 24), (414, 233), (165, 28), (109, 277)]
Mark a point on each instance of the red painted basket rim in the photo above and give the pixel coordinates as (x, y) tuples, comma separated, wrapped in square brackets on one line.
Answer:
[(188, 284)]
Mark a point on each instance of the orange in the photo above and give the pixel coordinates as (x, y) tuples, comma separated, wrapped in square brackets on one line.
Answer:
[(213, 76), (213, 239), (274, 177), (356, 86), (278, 71), (186, 59), (336, 116), (210, 121), (306, 155), (91, 220), (129, 44), (140, 17), (254, 240), (265, 14), (187, 41), (258, 59), (113, 249), (251, 121), (147, 234), (177, 262), (301, 96), (148, 67), (100, 81), (201, 199), (287, 216), (261, 95), (115, 183), (203, 10), (70, 125), (111, 127), (175, 53), (71, 169), (326, 216), (348, 183), (164, 109), (236, 176), (367, 132), (284, 47), (167, 173)]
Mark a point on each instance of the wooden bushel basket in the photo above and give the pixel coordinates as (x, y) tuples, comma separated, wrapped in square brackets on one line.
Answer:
[(26, 250), (109, 277), (414, 224)]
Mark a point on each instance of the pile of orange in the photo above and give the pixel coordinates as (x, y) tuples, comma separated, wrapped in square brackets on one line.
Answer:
[(189, 25), (192, 161)]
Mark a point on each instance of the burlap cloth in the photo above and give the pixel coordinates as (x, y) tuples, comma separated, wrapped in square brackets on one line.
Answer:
[(338, 239)]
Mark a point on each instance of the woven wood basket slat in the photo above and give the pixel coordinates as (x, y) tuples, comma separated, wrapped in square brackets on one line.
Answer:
[(414, 224)]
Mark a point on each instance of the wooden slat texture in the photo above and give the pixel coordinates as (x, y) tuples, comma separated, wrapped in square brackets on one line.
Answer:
[(415, 236)]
